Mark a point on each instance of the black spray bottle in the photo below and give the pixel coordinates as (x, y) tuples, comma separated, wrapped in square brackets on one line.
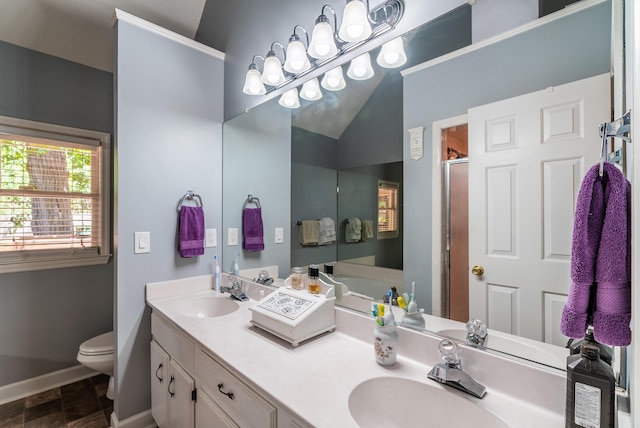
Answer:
[(591, 389)]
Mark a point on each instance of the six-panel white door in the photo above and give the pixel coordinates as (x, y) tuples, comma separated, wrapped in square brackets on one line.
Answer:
[(528, 156)]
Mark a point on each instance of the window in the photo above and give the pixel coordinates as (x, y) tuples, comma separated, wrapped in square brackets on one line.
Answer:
[(388, 215), (54, 196)]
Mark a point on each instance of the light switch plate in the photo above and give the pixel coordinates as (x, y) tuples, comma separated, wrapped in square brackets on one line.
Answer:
[(279, 235), (211, 238), (232, 236), (141, 242)]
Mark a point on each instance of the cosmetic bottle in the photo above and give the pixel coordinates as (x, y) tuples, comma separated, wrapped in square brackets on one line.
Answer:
[(236, 267), (590, 398), (297, 279), (313, 282)]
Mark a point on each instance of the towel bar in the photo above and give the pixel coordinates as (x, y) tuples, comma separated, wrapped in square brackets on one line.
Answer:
[(189, 196)]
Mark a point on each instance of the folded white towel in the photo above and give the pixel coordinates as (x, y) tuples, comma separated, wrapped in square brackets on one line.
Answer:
[(326, 231), (309, 232)]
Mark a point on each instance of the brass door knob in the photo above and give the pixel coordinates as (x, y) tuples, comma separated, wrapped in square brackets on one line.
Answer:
[(477, 270)]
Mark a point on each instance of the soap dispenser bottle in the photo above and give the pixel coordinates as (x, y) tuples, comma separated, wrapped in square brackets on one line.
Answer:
[(216, 275), (591, 386)]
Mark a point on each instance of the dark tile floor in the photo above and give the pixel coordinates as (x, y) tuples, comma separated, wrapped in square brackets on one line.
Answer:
[(82, 404)]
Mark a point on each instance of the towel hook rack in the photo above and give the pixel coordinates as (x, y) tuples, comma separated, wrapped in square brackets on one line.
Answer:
[(189, 196), (619, 128), (252, 200)]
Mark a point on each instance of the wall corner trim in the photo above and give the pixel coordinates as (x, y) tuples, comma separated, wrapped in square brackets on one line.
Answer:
[(168, 34)]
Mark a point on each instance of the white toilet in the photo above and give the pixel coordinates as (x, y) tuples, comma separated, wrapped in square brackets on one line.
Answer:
[(97, 354)]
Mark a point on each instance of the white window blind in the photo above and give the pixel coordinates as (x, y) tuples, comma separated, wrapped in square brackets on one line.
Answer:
[(388, 209), (52, 194)]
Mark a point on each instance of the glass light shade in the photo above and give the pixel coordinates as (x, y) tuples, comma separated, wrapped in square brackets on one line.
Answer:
[(355, 22), (253, 83), (322, 45), (392, 54), (360, 67), (290, 99), (311, 90), (272, 74), (297, 60), (333, 80)]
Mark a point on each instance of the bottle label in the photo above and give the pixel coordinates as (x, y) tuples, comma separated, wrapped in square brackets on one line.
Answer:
[(587, 402)]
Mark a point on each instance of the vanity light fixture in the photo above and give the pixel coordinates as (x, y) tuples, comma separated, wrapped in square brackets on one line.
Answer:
[(355, 22), (253, 80), (272, 74), (326, 43), (323, 43), (333, 80), (311, 90), (290, 99), (360, 67), (296, 56), (392, 54)]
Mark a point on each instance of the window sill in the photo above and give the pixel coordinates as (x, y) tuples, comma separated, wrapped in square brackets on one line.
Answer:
[(52, 262)]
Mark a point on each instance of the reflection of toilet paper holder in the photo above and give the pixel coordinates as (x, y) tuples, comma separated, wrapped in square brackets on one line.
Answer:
[(263, 278)]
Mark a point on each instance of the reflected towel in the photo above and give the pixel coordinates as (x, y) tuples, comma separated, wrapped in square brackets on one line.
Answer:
[(308, 233), (191, 231), (367, 229), (600, 292), (353, 230), (252, 229), (326, 231)]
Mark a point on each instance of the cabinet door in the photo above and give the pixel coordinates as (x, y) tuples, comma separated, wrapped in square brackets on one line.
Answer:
[(181, 404), (208, 414), (159, 382)]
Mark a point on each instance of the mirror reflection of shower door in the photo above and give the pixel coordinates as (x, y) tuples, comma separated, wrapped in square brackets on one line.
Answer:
[(457, 239)]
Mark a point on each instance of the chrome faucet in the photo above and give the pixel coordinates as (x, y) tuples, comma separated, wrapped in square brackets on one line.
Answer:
[(450, 373), (235, 290), (476, 332)]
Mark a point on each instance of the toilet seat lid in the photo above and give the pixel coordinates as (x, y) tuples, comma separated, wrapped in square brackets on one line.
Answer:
[(99, 345)]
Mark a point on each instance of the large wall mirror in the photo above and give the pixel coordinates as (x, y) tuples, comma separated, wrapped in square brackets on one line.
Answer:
[(330, 156)]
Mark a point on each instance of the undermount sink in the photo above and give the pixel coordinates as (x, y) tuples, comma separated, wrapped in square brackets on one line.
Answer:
[(512, 347), (391, 401), (206, 306)]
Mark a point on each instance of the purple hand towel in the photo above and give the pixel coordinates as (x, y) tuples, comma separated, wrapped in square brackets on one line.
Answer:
[(191, 231), (252, 230), (612, 312), (600, 259)]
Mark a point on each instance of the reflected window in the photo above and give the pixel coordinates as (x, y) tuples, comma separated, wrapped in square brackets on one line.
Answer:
[(388, 209)]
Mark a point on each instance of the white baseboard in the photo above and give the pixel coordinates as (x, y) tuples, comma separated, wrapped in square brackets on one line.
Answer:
[(35, 385), (141, 420)]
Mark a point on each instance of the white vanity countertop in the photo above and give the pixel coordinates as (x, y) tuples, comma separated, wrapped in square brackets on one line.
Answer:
[(314, 380)]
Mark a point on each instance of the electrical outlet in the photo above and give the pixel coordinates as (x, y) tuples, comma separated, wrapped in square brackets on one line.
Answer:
[(211, 238)]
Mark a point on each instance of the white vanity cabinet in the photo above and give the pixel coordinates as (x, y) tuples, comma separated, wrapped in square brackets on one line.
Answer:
[(232, 396), (173, 391)]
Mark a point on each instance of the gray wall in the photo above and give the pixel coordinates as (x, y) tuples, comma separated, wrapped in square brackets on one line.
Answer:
[(313, 191), (254, 145), (565, 50), (45, 315), (168, 140)]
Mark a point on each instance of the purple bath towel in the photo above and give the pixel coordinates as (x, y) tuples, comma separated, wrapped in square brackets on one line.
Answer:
[(191, 231), (600, 292), (252, 230)]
